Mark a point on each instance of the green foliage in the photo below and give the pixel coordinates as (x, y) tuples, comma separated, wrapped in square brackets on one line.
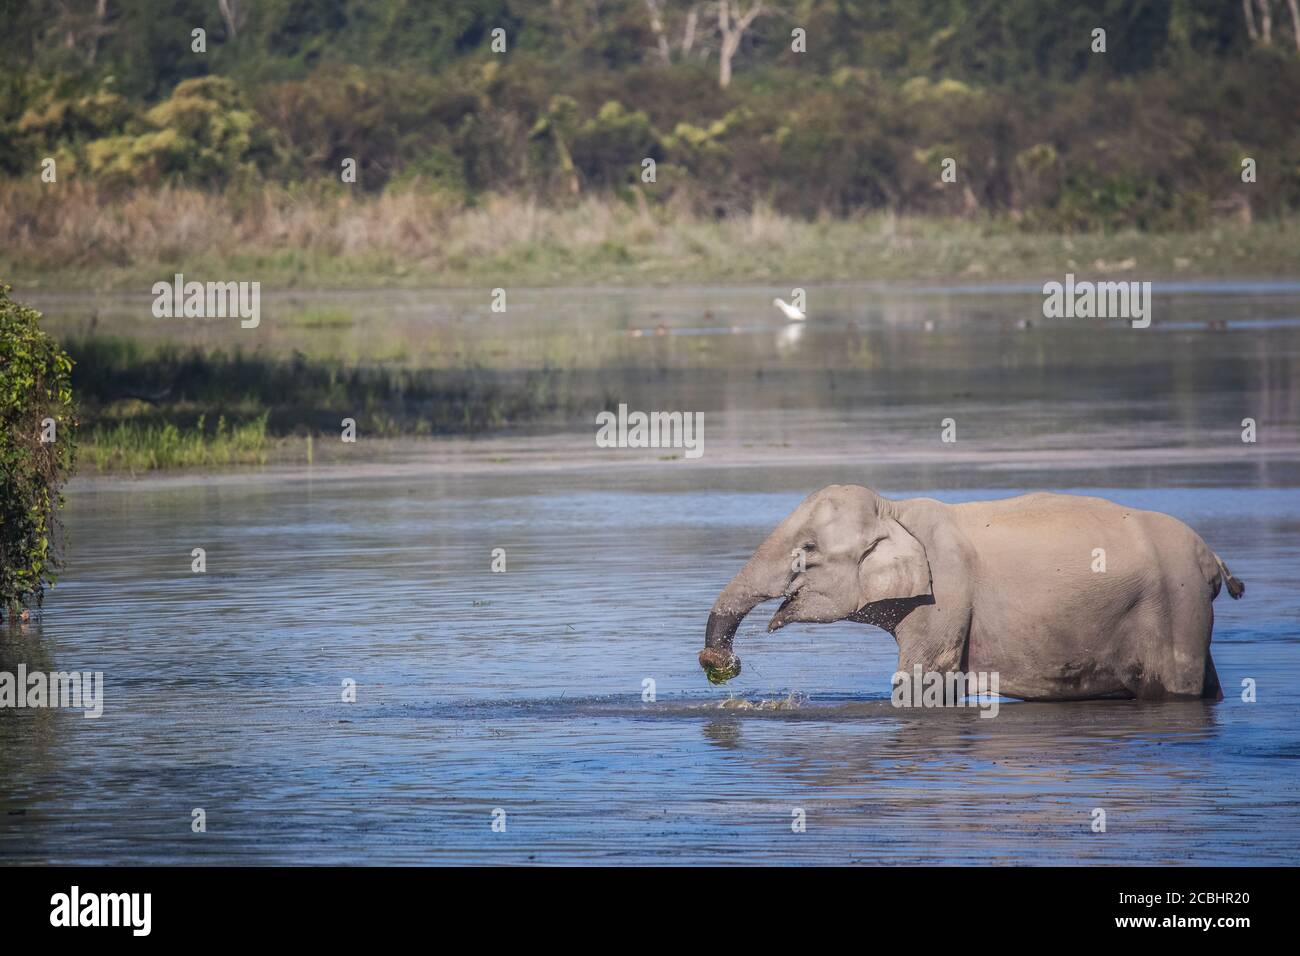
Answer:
[(35, 387), (149, 48), (61, 114), (202, 133), (608, 148), (136, 447), (1042, 129)]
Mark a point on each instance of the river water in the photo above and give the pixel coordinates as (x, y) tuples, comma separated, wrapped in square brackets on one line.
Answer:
[(523, 697)]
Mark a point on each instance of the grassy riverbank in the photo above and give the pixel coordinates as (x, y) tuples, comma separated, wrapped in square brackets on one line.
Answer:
[(286, 239)]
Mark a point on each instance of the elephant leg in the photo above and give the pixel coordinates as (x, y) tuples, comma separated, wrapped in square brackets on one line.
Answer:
[(919, 677), (1211, 690), (1176, 664), (1193, 622), (935, 640)]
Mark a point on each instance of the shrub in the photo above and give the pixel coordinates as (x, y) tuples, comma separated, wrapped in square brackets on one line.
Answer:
[(202, 133), (35, 393), (610, 146)]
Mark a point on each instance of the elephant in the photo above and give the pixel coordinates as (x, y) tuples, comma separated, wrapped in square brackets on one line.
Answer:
[(1065, 597)]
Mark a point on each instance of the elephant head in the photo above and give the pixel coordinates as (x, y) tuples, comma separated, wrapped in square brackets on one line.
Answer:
[(839, 551)]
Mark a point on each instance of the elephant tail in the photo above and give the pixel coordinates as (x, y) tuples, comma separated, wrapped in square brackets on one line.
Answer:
[(1236, 587)]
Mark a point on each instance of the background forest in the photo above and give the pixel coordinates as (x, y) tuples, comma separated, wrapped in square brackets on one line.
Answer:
[(1149, 134)]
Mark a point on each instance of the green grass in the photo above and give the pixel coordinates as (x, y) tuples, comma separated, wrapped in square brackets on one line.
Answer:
[(602, 242), (138, 447)]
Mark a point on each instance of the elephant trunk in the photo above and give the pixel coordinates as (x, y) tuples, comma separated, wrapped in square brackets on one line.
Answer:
[(736, 600), (721, 631), (719, 662)]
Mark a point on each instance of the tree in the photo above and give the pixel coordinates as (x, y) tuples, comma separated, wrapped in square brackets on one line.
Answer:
[(233, 14), (732, 25), (37, 423), (662, 26), (1261, 31), (657, 25)]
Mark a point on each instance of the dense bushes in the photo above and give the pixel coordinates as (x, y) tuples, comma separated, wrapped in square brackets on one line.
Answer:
[(202, 133), (36, 451)]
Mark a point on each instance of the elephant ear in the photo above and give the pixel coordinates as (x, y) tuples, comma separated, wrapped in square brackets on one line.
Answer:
[(895, 569)]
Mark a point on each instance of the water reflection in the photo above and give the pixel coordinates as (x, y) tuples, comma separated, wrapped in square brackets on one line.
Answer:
[(789, 336)]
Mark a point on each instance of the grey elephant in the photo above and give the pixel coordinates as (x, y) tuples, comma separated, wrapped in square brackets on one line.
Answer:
[(1065, 597)]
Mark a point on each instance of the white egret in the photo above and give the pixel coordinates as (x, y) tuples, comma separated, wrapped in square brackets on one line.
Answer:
[(790, 312)]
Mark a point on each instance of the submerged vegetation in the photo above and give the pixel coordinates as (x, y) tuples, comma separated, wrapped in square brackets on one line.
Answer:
[(148, 408), (136, 447)]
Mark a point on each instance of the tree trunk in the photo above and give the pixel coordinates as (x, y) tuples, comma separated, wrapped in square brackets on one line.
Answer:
[(230, 13), (657, 25), (732, 25), (688, 32), (101, 28)]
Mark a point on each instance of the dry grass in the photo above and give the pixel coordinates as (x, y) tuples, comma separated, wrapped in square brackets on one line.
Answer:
[(323, 236), (74, 224)]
